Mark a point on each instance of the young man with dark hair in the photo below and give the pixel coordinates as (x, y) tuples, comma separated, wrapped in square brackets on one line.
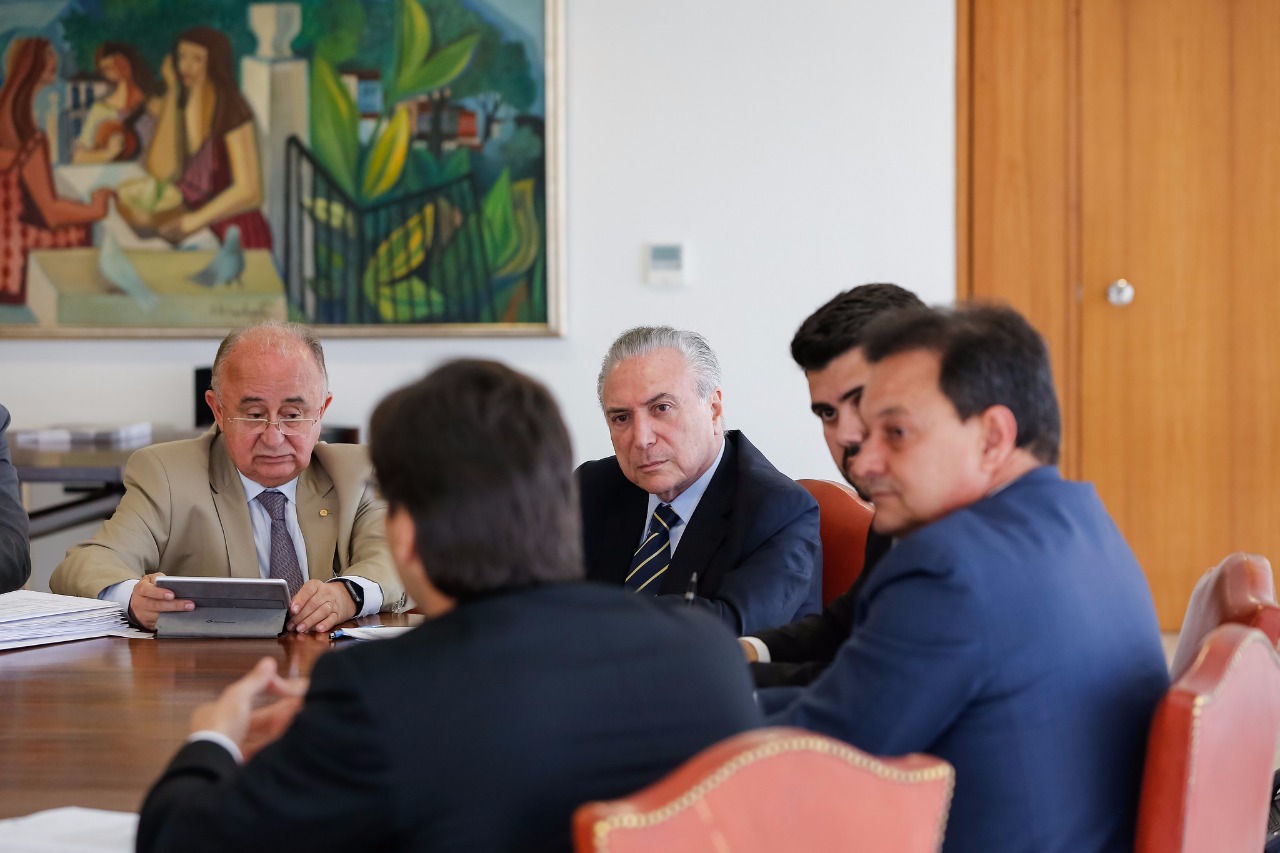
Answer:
[(523, 695), (828, 347), (1010, 630)]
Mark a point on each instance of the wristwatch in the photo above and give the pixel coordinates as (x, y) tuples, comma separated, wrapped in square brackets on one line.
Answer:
[(354, 590)]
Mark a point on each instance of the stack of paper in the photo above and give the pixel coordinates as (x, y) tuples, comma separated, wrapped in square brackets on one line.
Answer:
[(29, 618), (64, 435)]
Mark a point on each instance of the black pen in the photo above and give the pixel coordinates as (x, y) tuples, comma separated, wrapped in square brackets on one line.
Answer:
[(692, 589)]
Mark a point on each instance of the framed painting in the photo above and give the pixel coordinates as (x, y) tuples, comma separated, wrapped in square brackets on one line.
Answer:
[(370, 167)]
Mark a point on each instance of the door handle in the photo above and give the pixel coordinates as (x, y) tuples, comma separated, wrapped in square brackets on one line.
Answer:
[(1120, 293)]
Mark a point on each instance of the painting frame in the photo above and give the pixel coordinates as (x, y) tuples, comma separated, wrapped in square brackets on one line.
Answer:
[(552, 258)]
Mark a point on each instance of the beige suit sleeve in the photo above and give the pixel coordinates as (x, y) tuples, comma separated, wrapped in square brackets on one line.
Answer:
[(369, 555), (129, 544)]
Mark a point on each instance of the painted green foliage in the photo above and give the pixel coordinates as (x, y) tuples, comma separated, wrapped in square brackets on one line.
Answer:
[(508, 228), (370, 171)]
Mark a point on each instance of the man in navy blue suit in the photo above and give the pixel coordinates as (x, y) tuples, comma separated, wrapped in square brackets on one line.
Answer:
[(1010, 630), (685, 508), (15, 552), (828, 348), (485, 727)]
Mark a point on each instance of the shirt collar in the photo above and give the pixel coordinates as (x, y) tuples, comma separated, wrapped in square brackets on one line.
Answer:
[(252, 489), (687, 501)]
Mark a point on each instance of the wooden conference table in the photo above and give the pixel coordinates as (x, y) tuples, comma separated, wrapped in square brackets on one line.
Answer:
[(93, 723)]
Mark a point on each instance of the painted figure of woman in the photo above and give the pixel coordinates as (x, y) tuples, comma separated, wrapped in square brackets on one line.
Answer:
[(206, 143), (120, 125), (31, 214)]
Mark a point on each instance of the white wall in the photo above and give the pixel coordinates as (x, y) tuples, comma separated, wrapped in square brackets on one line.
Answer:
[(796, 149)]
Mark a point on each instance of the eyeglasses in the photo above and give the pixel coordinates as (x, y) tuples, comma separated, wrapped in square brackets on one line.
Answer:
[(287, 426)]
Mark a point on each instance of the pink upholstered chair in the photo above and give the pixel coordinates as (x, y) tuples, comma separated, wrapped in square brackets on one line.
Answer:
[(1240, 589), (844, 522), (778, 789), (1207, 782)]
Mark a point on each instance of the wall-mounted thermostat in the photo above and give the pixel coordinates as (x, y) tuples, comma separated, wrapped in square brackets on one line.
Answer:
[(664, 265)]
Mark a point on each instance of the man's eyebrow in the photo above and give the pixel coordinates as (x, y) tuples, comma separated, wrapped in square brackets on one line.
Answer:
[(854, 393), (622, 410), (247, 401), (888, 411)]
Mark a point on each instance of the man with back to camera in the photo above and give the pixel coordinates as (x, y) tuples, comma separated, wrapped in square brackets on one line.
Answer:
[(485, 727), (1010, 630), (256, 496), (828, 348), (15, 547), (753, 541)]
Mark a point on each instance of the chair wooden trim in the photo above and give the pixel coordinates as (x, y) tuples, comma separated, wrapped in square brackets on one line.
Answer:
[(1207, 781), (598, 825), (844, 522)]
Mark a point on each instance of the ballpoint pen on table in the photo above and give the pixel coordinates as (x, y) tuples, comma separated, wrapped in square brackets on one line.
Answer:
[(692, 589), (369, 632)]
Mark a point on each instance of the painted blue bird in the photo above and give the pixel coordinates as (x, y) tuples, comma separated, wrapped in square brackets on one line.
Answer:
[(120, 271), (227, 265)]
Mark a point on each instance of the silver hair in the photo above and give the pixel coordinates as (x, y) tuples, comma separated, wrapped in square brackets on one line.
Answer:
[(642, 340), (271, 335)]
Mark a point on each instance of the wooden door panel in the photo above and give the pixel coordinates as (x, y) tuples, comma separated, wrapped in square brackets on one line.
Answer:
[(1139, 139), (1156, 210), (1253, 449), (1022, 254)]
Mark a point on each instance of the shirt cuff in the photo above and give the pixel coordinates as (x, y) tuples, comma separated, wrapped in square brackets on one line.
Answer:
[(372, 594), (762, 651), (119, 592), (221, 740)]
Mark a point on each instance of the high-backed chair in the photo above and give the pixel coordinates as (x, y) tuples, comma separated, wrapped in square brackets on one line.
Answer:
[(778, 789), (1206, 786), (1240, 589), (844, 522)]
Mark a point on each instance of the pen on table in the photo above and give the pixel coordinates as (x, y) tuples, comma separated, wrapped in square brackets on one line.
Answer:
[(692, 589)]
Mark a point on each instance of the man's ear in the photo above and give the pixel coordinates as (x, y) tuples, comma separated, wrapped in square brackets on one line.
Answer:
[(999, 435), (717, 410), (212, 400)]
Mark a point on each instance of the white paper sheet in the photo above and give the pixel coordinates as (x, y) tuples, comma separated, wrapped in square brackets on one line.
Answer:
[(69, 830)]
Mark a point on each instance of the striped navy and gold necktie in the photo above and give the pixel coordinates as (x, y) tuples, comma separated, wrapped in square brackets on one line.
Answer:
[(654, 554)]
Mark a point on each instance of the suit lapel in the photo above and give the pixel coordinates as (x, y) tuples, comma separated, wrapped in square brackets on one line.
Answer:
[(233, 512), (621, 532), (707, 530), (317, 518)]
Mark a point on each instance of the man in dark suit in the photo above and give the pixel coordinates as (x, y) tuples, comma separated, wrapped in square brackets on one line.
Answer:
[(1010, 630), (485, 727), (683, 498), (828, 348), (15, 548)]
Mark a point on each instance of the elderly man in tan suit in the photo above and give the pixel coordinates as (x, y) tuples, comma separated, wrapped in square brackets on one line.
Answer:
[(257, 496)]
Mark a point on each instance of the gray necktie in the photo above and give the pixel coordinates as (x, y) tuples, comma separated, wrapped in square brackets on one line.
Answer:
[(284, 557)]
